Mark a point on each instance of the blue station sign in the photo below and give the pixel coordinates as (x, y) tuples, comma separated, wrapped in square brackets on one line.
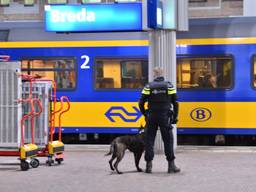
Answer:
[(94, 17)]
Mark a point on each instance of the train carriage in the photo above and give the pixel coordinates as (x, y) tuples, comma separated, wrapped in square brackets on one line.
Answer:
[(103, 74), (216, 78), (97, 76)]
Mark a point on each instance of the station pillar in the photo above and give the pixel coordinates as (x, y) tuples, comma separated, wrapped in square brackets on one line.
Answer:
[(162, 53)]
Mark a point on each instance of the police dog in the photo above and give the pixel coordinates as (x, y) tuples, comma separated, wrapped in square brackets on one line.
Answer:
[(135, 143)]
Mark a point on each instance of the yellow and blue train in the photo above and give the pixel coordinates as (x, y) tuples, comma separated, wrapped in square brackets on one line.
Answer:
[(103, 75)]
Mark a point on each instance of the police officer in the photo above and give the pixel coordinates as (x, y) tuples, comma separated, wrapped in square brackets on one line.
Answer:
[(162, 111)]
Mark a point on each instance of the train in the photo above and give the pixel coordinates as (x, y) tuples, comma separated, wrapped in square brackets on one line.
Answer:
[(103, 75), (216, 80)]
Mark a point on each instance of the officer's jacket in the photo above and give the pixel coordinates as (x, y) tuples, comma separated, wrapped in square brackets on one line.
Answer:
[(160, 95)]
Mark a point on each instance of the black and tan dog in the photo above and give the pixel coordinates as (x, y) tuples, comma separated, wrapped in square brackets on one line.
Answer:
[(134, 143)]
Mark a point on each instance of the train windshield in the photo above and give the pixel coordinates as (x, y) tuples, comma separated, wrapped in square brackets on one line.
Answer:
[(204, 72), (121, 73), (62, 70)]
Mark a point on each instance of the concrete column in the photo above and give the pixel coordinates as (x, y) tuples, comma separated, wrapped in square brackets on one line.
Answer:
[(162, 52), (249, 8)]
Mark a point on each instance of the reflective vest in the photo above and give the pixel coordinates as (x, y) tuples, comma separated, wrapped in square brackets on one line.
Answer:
[(159, 95)]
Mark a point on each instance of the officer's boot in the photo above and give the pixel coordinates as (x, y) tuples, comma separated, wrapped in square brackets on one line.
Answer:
[(172, 167), (149, 167)]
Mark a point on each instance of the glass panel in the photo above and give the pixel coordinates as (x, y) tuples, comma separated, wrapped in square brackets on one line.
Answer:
[(4, 35), (57, 1), (65, 79), (91, 1), (51, 63), (121, 73), (204, 72), (132, 74), (37, 64), (61, 70), (125, 0), (4, 2), (29, 2), (196, 1)]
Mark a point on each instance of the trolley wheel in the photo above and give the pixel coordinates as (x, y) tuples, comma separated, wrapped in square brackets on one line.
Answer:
[(34, 163), (49, 162), (24, 165), (59, 160)]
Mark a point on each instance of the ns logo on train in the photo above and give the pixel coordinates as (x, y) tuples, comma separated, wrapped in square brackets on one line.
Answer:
[(200, 114), (125, 115)]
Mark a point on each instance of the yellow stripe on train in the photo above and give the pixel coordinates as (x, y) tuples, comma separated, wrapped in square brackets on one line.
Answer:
[(217, 114), (93, 114), (114, 43), (192, 115), (102, 43)]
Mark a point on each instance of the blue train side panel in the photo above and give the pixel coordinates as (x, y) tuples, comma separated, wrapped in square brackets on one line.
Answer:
[(220, 111), (93, 110)]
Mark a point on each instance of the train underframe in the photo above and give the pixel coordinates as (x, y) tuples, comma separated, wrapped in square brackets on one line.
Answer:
[(191, 139)]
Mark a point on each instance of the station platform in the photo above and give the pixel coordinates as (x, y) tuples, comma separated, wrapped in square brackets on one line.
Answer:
[(86, 169)]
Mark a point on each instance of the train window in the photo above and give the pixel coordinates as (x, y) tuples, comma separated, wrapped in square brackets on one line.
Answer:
[(121, 73), (61, 70), (204, 72)]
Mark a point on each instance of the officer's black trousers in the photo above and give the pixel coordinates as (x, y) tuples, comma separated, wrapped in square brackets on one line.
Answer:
[(155, 120)]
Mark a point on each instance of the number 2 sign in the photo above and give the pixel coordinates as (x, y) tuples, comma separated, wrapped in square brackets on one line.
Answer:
[(86, 61)]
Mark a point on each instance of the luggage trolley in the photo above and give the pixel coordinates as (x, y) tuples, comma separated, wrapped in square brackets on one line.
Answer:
[(12, 124), (4, 58), (31, 149), (54, 147)]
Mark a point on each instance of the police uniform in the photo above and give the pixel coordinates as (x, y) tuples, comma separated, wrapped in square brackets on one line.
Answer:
[(162, 112)]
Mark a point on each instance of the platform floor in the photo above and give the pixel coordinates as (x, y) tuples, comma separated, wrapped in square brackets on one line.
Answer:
[(86, 169)]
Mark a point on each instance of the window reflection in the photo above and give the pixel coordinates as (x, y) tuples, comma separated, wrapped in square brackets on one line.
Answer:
[(62, 71), (211, 72), (121, 73)]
